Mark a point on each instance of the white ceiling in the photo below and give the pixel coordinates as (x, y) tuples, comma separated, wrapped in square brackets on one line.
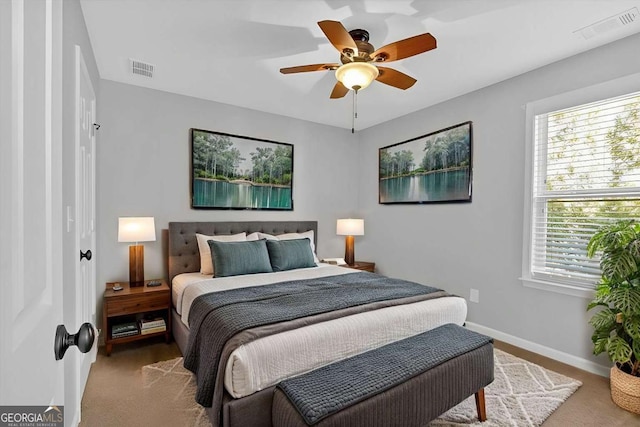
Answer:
[(231, 51)]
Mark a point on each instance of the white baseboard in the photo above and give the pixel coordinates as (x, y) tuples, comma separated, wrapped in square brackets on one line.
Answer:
[(569, 359)]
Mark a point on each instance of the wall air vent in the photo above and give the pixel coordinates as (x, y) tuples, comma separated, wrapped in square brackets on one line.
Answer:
[(141, 68), (628, 17)]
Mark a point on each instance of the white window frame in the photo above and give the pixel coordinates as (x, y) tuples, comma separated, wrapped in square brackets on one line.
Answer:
[(610, 89)]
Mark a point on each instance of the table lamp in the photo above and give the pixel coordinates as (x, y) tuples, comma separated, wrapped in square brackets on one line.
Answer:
[(349, 227), (136, 229)]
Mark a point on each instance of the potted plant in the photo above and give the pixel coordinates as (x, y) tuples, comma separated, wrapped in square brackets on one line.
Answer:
[(617, 324)]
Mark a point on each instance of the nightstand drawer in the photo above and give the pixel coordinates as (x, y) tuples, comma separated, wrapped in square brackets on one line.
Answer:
[(128, 304)]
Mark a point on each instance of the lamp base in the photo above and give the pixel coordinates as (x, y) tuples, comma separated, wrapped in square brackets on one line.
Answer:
[(136, 265), (349, 252)]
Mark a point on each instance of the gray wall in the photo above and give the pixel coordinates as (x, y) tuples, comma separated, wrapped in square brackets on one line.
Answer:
[(143, 170), (479, 244)]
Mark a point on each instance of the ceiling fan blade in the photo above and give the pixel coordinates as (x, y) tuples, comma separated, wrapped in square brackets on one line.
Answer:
[(339, 90), (307, 68), (395, 78), (405, 48), (338, 35)]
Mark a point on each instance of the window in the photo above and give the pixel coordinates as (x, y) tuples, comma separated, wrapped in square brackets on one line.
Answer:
[(584, 165)]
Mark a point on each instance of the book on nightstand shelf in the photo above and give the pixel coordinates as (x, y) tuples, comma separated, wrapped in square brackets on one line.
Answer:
[(124, 330), (152, 323), (152, 326), (153, 330), (124, 334)]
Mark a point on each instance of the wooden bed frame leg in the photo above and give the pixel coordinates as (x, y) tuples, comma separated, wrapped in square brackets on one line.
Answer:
[(480, 405)]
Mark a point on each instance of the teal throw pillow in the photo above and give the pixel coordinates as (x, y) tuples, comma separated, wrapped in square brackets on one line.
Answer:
[(236, 258), (290, 254)]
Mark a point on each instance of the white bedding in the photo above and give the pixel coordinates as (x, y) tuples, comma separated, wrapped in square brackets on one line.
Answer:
[(269, 360)]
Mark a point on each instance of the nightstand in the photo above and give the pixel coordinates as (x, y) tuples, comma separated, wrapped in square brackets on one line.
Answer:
[(363, 265), (133, 304)]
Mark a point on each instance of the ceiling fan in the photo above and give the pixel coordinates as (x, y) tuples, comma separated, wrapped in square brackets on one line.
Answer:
[(358, 57)]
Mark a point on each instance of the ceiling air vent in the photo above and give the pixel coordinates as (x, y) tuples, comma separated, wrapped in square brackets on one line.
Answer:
[(622, 19), (141, 68)]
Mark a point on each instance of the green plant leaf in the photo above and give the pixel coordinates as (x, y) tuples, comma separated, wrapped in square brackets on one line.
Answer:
[(611, 237), (634, 249), (600, 333), (600, 345), (594, 243), (619, 234), (600, 339), (604, 320), (619, 350), (632, 327), (594, 303), (625, 299), (603, 289), (618, 264)]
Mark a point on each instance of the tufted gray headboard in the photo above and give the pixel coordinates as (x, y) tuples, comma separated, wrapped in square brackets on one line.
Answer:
[(184, 256)]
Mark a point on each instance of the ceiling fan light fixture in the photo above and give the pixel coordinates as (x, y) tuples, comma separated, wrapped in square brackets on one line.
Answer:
[(356, 75)]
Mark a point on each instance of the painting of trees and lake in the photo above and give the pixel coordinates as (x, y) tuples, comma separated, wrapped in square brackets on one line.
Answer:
[(432, 168), (237, 172)]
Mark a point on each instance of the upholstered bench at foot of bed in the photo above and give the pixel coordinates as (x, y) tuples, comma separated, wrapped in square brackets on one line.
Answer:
[(413, 402)]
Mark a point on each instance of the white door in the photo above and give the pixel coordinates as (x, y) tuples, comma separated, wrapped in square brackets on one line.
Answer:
[(31, 218), (85, 213)]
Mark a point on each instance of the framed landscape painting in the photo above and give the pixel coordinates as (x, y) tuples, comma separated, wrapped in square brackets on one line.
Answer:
[(432, 168), (238, 172)]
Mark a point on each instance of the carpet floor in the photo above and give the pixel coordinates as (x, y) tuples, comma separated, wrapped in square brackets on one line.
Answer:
[(120, 392)]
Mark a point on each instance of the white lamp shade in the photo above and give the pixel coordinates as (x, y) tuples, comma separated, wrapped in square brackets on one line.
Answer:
[(136, 229), (359, 74), (350, 227)]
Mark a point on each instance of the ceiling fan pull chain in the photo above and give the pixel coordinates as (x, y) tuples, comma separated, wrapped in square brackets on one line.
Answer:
[(354, 116), (355, 101), (353, 112)]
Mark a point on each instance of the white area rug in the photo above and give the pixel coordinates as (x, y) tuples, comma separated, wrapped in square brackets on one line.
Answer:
[(522, 394)]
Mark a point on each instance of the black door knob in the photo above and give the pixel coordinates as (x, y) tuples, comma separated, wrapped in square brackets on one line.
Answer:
[(83, 339), (86, 255)]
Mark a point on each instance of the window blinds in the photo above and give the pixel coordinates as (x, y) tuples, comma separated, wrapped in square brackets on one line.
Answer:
[(586, 174)]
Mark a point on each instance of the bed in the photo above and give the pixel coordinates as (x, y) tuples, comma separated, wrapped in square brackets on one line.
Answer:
[(262, 356)]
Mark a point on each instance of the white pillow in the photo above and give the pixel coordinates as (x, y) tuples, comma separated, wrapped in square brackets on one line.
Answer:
[(206, 264), (289, 236)]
